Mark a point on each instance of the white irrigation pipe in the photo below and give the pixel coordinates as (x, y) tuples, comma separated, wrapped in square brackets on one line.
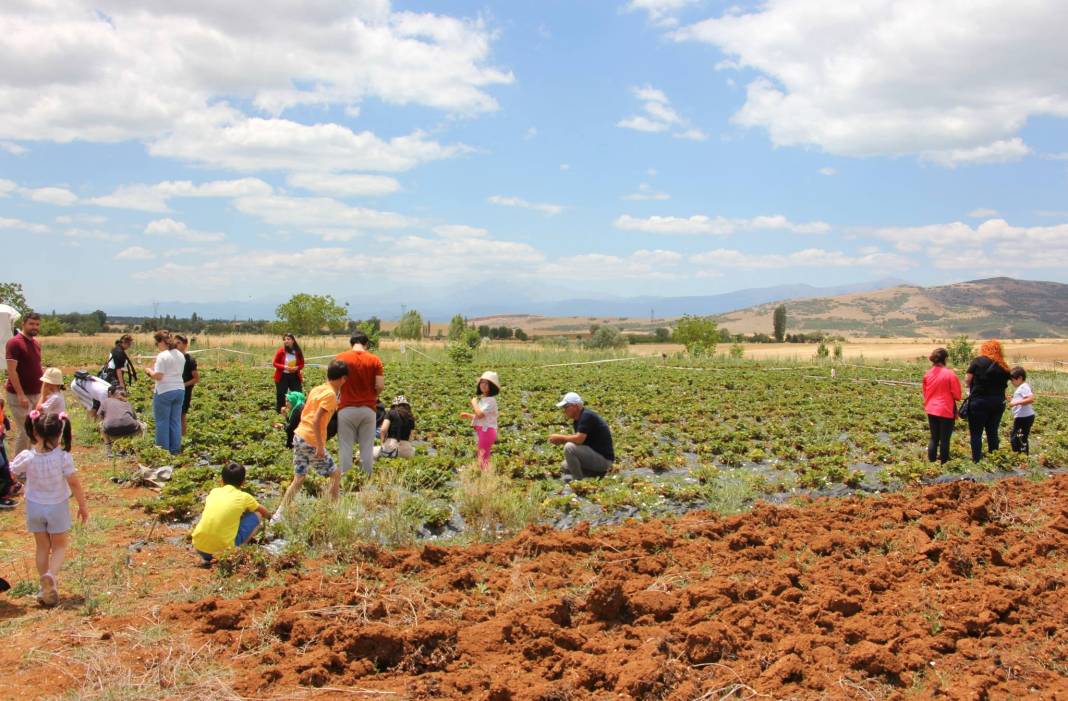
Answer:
[(594, 362)]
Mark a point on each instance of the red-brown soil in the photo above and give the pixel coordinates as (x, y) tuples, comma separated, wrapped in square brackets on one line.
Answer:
[(955, 591)]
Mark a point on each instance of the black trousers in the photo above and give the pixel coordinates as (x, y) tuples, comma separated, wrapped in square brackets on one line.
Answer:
[(1021, 432), (290, 382), (941, 432), (984, 414)]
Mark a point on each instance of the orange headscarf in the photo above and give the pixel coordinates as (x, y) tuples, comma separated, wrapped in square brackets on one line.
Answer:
[(992, 349)]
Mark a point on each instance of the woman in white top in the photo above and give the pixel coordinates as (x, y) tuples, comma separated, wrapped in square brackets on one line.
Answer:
[(483, 415), (169, 394)]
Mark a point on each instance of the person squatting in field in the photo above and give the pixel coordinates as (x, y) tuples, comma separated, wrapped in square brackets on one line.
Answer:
[(231, 517), (396, 430), (941, 392), (588, 452), (483, 415), (51, 478)]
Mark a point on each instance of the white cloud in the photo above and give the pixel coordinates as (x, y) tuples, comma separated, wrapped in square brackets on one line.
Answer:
[(953, 82), (7, 187), (983, 213), (324, 216), (19, 225), (646, 192), (660, 12), (544, 207), (93, 234), (659, 116), (827, 171), (565, 167), (68, 71), (13, 148), (807, 258), (716, 226), (135, 253), (345, 185), (530, 134), (253, 144), (994, 242), (58, 196), (154, 198), (460, 231), (171, 229), (640, 265), (998, 152)]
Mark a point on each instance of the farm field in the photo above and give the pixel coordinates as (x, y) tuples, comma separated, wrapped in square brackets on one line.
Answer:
[(434, 580)]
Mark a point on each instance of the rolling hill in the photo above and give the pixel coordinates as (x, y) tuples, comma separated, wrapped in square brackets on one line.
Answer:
[(994, 307)]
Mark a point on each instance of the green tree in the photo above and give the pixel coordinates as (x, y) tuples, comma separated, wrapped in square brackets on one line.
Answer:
[(306, 314), (410, 326), (51, 326), (961, 351), (521, 335), (605, 337), (821, 350), (698, 333), (779, 323), (457, 326), (484, 331), (11, 295), (662, 335)]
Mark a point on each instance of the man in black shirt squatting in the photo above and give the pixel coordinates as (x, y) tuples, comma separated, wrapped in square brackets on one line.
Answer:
[(588, 451)]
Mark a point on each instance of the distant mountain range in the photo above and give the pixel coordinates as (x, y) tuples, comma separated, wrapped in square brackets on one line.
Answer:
[(447, 306), (994, 307)]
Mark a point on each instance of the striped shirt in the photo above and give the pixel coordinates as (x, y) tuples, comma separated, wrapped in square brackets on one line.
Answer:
[(46, 475)]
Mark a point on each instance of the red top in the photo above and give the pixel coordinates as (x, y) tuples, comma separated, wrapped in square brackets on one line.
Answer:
[(941, 391), (280, 364), (359, 388), (26, 352)]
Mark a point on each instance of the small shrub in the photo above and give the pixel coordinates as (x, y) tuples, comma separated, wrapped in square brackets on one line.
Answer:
[(961, 351)]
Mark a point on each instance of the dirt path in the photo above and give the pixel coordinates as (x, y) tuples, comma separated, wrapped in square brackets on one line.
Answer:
[(954, 591)]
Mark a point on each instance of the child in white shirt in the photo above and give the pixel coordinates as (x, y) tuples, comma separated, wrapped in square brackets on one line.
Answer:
[(1023, 413)]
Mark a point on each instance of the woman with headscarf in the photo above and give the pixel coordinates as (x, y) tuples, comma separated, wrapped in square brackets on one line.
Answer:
[(293, 407), (288, 370), (987, 377)]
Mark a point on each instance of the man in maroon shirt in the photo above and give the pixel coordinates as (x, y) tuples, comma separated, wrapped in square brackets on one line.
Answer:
[(24, 371)]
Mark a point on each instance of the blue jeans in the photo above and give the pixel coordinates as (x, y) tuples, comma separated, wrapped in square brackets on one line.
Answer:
[(167, 411), (248, 523)]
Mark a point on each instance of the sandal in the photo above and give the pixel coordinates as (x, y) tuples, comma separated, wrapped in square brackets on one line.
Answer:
[(8, 503)]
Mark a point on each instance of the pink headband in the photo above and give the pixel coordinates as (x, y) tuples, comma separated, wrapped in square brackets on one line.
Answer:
[(63, 416), (34, 415)]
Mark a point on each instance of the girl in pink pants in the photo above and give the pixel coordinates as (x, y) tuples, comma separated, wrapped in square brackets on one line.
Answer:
[(483, 415)]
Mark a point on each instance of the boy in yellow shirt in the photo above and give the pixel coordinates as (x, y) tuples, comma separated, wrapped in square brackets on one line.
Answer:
[(231, 517), (309, 438)]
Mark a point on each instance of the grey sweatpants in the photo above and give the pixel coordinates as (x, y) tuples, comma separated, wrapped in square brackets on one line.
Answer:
[(583, 461), (356, 423)]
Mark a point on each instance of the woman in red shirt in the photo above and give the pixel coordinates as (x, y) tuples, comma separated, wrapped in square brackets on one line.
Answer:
[(941, 392), (288, 364)]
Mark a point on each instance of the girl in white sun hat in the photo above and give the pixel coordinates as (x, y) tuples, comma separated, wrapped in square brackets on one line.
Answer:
[(483, 415), (52, 401)]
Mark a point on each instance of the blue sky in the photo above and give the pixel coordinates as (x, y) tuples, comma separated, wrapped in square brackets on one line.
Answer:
[(506, 152)]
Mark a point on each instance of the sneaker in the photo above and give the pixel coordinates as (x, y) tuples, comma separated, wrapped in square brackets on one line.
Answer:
[(49, 595), (276, 518), (8, 503)]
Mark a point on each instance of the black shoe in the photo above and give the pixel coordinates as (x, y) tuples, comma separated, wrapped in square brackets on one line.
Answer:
[(8, 503)]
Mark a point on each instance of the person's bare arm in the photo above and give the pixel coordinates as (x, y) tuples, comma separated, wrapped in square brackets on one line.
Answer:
[(476, 409), (79, 494), (558, 438), (13, 377), (195, 379), (320, 433), (384, 430), (380, 384)]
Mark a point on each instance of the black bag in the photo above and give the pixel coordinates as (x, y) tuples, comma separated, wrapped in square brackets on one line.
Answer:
[(962, 412)]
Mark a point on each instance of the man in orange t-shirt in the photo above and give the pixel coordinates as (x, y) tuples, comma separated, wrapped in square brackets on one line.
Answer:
[(359, 395)]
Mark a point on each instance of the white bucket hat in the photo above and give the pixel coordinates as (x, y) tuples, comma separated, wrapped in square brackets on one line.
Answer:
[(53, 376), (491, 377)]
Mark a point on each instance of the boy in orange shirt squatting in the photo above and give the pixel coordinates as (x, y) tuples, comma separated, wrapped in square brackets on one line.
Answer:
[(231, 517), (309, 438)]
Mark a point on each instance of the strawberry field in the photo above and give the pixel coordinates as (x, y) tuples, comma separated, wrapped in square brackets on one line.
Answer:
[(688, 435)]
